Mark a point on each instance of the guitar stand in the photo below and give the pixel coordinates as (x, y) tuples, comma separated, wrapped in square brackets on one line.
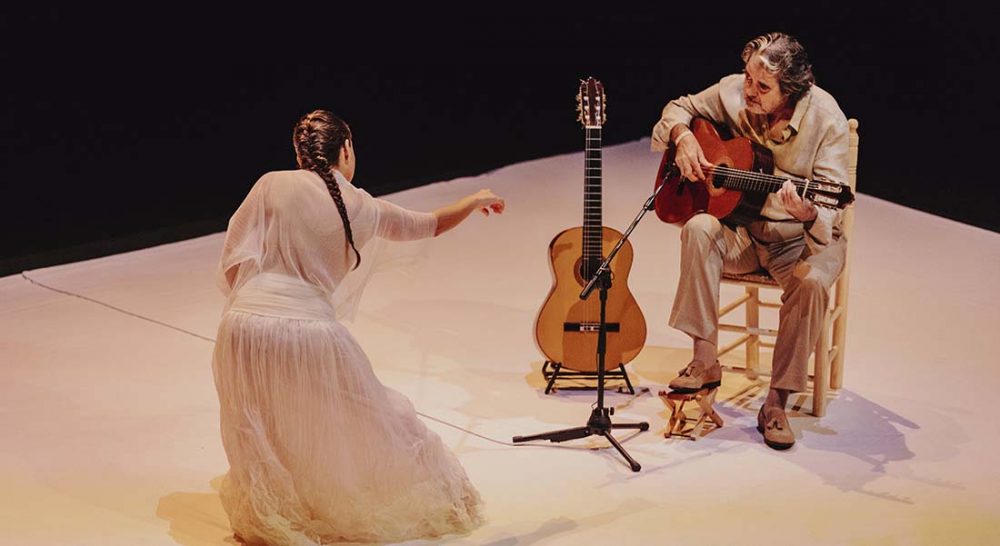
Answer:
[(705, 398), (558, 372)]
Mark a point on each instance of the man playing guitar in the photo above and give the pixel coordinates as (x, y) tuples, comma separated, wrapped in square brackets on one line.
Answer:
[(776, 104)]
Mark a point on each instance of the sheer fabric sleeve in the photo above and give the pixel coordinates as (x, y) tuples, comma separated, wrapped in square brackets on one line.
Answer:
[(399, 224), (289, 224), (244, 246), (391, 237)]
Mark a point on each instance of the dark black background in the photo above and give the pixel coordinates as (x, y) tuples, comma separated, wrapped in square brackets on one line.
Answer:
[(122, 129)]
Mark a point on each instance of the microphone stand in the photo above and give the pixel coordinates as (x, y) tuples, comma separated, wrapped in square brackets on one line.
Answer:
[(600, 418)]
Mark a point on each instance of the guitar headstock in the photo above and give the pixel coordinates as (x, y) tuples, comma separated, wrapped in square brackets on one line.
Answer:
[(828, 194), (591, 103)]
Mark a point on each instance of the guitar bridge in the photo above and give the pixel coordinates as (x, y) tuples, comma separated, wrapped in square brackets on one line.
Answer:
[(590, 327)]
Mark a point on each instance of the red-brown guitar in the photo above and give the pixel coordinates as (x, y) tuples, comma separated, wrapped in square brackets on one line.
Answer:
[(737, 186)]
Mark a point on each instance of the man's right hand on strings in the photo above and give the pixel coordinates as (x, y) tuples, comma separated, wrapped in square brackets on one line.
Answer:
[(690, 159)]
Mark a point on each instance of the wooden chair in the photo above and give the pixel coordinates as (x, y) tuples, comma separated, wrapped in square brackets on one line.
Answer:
[(829, 353)]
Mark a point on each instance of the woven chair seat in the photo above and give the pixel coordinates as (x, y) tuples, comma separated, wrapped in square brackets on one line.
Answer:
[(760, 276)]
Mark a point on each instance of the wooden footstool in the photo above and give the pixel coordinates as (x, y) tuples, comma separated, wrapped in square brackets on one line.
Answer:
[(705, 398)]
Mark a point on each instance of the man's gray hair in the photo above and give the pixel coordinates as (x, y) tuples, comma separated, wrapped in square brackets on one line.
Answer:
[(783, 56)]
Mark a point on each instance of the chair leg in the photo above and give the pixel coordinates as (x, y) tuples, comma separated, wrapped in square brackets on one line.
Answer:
[(839, 340), (753, 342), (822, 364)]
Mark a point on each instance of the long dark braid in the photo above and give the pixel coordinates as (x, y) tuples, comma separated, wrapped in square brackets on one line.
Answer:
[(318, 136)]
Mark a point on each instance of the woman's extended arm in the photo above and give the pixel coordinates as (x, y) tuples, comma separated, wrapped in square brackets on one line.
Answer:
[(451, 215)]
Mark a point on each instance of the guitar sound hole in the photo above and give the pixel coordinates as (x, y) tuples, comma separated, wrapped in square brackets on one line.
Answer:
[(718, 179), (585, 271)]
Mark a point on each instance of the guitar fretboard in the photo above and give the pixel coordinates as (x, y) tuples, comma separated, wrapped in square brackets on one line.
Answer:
[(592, 206), (738, 179), (822, 193)]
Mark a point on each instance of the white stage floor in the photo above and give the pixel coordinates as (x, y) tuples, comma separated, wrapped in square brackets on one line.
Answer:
[(109, 419)]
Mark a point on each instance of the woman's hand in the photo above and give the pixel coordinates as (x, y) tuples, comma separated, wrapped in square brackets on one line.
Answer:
[(487, 201), (802, 210)]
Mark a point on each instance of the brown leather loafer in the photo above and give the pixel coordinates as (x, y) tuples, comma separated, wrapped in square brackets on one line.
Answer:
[(773, 424), (696, 376)]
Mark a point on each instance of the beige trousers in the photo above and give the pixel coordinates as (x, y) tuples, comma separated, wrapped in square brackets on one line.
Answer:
[(708, 248)]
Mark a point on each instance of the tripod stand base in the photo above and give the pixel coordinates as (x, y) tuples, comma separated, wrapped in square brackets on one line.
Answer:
[(600, 424)]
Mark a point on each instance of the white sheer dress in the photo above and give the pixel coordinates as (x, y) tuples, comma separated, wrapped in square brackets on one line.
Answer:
[(319, 450)]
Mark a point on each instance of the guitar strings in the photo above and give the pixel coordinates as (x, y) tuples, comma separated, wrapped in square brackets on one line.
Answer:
[(740, 179), (593, 247), (767, 179)]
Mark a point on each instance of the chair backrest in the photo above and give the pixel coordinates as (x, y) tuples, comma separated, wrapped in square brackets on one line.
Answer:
[(852, 169), (847, 221)]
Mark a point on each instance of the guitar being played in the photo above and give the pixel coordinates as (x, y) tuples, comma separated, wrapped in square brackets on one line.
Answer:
[(731, 180)]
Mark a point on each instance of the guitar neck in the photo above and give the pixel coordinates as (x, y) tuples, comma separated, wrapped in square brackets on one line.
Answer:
[(741, 180), (819, 192), (592, 205)]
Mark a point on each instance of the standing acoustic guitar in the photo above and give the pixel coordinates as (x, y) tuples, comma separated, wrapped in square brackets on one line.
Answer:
[(737, 186), (567, 327)]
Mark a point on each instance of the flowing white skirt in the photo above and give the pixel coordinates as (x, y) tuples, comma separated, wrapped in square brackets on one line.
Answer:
[(319, 450)]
